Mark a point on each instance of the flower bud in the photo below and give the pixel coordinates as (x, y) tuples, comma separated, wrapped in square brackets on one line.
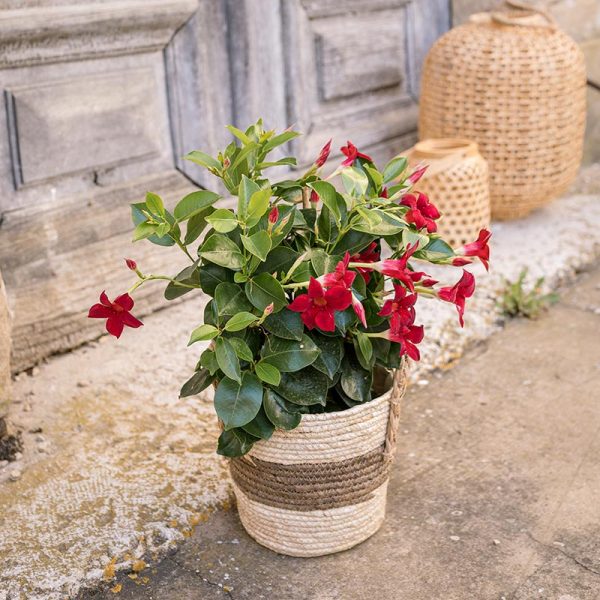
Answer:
[(268, 310), (274, 215), (131, 264)]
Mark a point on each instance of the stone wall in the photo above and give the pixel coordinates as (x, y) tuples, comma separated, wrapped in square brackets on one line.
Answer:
[(5, 382), (581, 20)]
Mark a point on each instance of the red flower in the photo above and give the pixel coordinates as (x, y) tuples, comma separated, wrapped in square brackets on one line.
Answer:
[(480, 248), (131, 264), (116, 313), (402, 307), (318, 306), (341, 275), (398, 267), (351, 152), (323, 155), (359, 309), (458, 293), (417, 174), (460, 262), (369, 255), (407, 336), (422, 212), (314, 197), (273, 215)]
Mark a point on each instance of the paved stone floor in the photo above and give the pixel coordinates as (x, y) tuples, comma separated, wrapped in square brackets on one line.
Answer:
[(495, 492)]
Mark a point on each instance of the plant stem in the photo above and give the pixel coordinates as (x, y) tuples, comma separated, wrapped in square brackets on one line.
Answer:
[(146, 278)]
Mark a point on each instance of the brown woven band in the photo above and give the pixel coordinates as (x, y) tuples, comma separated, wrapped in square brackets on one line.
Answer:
[(316, 486)]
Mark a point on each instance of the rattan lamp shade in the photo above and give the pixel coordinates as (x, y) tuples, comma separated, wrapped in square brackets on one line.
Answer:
[(515, 84), (457, 182)]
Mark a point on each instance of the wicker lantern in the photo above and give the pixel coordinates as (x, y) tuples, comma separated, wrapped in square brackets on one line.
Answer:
[(457, 182), (515, 84)]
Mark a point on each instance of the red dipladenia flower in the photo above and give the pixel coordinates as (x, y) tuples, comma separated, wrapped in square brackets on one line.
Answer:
[(398, 267), (384, 193), (407, 336), (459, 261), (273, 215), (421, 212), (351, 152), (458, 293), (417, 174), (323, 155), (401, 307), (369, 255), (317, 307), (314, 197), (117, 313), (479, 248), (341, 276)]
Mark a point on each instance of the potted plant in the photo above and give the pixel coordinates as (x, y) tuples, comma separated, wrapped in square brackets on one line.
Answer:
[(306, 322)]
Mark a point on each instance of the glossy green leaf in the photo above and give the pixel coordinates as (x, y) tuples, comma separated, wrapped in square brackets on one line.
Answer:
[(257, 206), (355, 381), (332, 351), (328, 196), (278, 411), (279, 260), (322, 262), (231, 299), (203, 333), (246, 188), (209, 361), (264, 289), (203, 159), (285, 324), (194, 203), (189, 276), (222, 220), (353, 242), (260, 426), (258, 244), (212, 275), (289, 355), (240, 321), (355, 181), (196, 225), (143, 231), (268, 373), (222, 251), (235, 443), (227, 359), (394, 168), (241, 349), (198, 382), (155, 204), (237, 404), (305, 387)]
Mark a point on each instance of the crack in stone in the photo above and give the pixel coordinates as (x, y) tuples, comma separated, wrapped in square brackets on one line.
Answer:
[(205, 579)]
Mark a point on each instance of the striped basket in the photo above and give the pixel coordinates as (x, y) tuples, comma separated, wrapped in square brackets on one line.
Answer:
[(321, 488)]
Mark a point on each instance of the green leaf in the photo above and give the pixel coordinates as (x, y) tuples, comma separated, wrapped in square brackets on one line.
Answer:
[(286, 160), (289, 355), (285, 324), (212, 275), (138, 216), (258, 244), (355, 181), (235, 443), (322, 262), (196, 226), (240, 321), (222, 251), (238, 404), (394, 168), (240, 135), (263, 290), (203, 159), (198, 382), (246, 189), (378, 222), (277, 140), (268, 373), (328, 196), (227, 359), (258, 206), (194, 203), (355, 381), (189, 276), (231, 299), (306, 387), (222, 220), (243, 155), (260, 426), (332, 351), (278, 411), (353, 242), (365, 348), (241, 349), (163, 229), (143, 230), (279, 260), (203, 333), (155, 204), (437, 249), (209, 361)]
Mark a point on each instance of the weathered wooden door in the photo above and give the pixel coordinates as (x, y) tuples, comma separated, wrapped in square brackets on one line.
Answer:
[(101, 99)]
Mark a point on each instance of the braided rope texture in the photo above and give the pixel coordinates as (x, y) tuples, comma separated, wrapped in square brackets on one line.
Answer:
[(519, 91), (321, 488)]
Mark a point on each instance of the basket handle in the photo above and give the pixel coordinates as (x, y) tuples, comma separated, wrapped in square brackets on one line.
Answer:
[(524, 18)]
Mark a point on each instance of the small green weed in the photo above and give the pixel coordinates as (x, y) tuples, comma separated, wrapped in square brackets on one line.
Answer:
[(516, 301)]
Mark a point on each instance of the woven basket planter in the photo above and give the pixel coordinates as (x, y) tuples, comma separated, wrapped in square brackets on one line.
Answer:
[(321, 488), (516, 85), (457, 181)]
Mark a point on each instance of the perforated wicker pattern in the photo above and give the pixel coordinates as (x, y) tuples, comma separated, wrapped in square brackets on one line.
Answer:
[(519, 91), (457, 182), (321, 487)]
